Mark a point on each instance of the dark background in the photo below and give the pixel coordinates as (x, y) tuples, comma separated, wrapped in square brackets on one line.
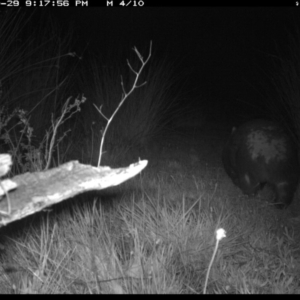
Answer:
[(223, 56)]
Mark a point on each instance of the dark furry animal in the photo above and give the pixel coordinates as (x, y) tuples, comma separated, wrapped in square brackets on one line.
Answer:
[(260, 152)]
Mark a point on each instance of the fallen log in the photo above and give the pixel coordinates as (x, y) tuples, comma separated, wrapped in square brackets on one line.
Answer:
[(30, 193)]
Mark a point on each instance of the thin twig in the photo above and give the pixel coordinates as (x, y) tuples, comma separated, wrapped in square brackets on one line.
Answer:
[(124, 95)]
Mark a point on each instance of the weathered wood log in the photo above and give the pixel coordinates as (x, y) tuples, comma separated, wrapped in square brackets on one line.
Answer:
[(29, 193)]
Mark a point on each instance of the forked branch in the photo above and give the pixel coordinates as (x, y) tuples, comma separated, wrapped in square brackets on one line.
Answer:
[(124, 95)]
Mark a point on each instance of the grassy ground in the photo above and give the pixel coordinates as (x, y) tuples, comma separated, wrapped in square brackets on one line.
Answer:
[(156, 234)]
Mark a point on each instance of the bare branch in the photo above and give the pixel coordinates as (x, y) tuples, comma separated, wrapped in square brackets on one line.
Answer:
[(125, 94)]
